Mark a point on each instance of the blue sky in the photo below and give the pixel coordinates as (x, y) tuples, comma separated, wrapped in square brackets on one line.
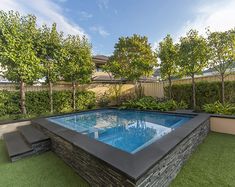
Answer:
[(104, 21)]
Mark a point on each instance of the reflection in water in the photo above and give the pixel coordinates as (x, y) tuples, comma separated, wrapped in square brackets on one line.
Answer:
[(126, 130)]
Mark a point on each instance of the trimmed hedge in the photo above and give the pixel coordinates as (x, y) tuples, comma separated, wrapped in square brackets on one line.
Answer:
[(38, 102), (206, 92)]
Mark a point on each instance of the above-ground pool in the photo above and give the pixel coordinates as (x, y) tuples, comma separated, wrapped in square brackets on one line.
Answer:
[(112, 147), (129, 130)]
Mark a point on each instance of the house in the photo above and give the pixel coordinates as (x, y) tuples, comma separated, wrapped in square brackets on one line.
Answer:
[(99, 61), (99, 75), (3, 80)]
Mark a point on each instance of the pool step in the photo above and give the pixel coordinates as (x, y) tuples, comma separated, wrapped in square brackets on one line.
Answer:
[(38, 141), (26, 141)]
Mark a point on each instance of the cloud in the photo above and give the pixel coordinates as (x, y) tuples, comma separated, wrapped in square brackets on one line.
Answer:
[(46, 12), (100, 30), (215, 15), (83, 15), (103, 4)]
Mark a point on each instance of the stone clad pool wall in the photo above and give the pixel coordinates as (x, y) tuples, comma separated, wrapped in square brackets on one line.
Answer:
[(99, 173), (167, 168)]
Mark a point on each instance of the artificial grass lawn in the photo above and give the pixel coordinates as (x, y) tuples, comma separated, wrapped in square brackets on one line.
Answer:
[(42, 170), (212, 164)]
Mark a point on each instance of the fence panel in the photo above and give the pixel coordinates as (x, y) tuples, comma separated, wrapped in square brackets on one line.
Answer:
[(155, 89)]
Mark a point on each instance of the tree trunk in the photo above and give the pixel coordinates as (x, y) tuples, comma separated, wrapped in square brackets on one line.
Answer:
[(22, 97), (194, 92), (170, 87), (74, 95), (138, 89), (222, 88), (51, 95)]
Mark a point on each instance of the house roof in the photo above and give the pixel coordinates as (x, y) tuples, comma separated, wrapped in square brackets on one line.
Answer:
[(211, 70), (100, 59), (3, 80)]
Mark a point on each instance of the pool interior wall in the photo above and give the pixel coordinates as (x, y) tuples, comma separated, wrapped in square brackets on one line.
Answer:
[(102, 165), (128, 130)]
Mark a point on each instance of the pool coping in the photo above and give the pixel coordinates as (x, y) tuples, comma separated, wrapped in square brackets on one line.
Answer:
[(134, 166)]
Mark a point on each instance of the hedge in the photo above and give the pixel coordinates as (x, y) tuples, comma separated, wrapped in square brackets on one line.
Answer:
[(38, 102), (206, 92)]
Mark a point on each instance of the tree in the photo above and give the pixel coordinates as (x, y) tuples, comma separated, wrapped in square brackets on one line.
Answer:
[(193, 57), (168, 52), (50, 53), (132, 58), (222, 54), (18, 52), (77, 66)]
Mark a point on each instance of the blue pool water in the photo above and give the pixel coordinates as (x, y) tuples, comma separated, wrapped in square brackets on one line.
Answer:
[(128, 130)]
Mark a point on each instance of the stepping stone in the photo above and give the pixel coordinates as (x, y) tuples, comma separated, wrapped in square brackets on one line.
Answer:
[(32, 135), (16, 146)]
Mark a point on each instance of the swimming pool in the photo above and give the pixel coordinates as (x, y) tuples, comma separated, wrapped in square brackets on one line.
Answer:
[(129, 130), (113, 147)]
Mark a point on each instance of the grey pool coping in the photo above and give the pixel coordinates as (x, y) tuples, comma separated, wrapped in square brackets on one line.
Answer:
[(135, 165)]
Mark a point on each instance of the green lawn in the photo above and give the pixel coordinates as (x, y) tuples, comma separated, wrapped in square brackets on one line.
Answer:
[(213, 164), (42, 170)]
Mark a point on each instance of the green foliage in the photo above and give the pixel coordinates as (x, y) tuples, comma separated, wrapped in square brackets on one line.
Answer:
[(150, 103), (222, 47), (9, 103), (38, 102), (50, 52), (77, 65), (206, 92), (222, 54), (18, 50), (193, 54), (18, 38), (219, 108), (62, 101), (132, 58), (193, 57), (85, 100), (168, 53)]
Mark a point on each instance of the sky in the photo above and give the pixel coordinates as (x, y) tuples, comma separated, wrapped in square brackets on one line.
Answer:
[(104, 21)]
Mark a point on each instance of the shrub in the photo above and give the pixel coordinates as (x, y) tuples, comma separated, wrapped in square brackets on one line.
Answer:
[(219, 108), (85, 100), (9, 103), (206, 92), (62, 101), (103, 99), (37, 103), (150, 103)]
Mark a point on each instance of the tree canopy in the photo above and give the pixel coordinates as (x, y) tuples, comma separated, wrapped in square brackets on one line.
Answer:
[(19, 35), (18, 48), (168, 54), (132, 58), (77, 66), (193, 56), (50, 52), (222, 53)]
